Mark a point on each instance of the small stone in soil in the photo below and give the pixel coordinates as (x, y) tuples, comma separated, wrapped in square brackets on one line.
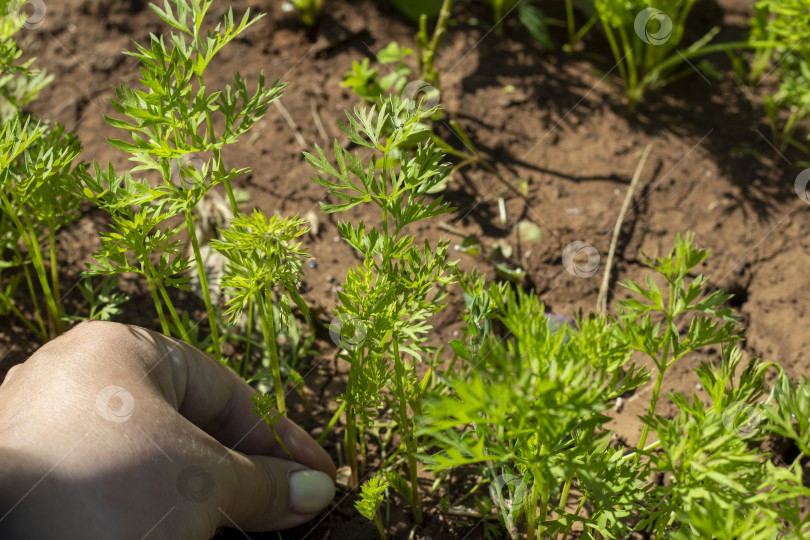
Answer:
[(312, 264), (344, 474)]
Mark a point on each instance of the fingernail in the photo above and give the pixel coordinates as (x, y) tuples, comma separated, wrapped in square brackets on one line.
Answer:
[(310, 491)]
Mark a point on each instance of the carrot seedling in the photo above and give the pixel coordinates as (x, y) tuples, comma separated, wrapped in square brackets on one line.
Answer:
[(382, 320)]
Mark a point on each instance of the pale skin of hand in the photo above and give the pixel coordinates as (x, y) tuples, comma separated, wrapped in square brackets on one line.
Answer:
[(113, 431)]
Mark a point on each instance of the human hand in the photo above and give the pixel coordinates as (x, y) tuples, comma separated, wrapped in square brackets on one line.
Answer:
[(114, 431)]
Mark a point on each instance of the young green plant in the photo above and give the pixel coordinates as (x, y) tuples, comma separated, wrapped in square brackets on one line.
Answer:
[(784, 23), (172, 136), (36, 170), (530, 403), (264, 255), (644, 36), (373, 88), (382, 319), (372, 494)]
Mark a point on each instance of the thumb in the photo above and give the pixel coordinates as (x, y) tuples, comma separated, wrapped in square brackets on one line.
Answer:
[(273, 493)]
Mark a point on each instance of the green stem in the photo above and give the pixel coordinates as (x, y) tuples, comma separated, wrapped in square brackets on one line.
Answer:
[(379, 524), (42, 335), (331, 424), (350, 443), (615, 50), (164, 324), (218, 154), (651, 446), (662, 365), (676, 59), (54, 265), (569, 16), (630, 59), (407, 433), (427, 70), (653, 401), (576, 514), (181, 328), (566, 489), (212, 320), (28, 235), (246, 359), (787, 131), (531, 509), (34, 300), (269, 331)]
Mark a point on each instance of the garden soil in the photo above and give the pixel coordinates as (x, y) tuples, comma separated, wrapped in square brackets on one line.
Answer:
[(544, 119)]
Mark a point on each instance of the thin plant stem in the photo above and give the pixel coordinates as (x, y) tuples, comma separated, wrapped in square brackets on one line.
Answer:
[(426, 49), (576, 514), (181, 328), (212, 322), (42, 335), (29, 238), (653, 401), (249, 333), (531, 510), (565, 490), (269, 331), (218, 154), (569, 16), (379, 524), (407, 435), (54, 266), (331, 424), (164, 324), (34, 300), (361, 431), (350, 442)]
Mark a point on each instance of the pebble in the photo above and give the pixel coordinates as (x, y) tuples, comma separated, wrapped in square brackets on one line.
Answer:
[(312, 264), (344, 475), (316, 432)]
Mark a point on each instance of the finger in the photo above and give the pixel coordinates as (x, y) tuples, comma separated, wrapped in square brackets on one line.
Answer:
[(218, 401), (275, 494)]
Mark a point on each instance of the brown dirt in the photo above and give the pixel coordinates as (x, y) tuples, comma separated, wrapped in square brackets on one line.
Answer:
[(564, 130)]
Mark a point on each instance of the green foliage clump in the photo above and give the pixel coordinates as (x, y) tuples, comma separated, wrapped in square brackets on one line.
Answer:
[(784, 23), (389, 297), (372, 494), (36, 171), (529, 404)]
